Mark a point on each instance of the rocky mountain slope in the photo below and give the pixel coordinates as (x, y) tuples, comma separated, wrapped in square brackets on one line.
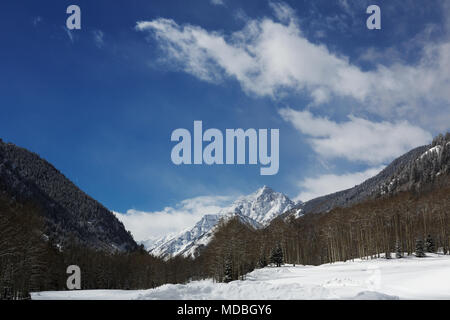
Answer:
[(256, 210), (68, 212), (411, 171)]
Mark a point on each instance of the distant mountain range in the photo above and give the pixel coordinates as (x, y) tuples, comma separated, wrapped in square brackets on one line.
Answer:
[(411, 171), (257, 210), (68, 212)]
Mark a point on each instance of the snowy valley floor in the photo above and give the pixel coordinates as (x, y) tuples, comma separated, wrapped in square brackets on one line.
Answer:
[(407, 278)]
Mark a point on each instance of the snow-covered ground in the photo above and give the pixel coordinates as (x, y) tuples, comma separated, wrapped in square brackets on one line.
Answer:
[(407, 278)]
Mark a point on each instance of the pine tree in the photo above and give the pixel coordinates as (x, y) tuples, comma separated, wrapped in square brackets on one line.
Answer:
[(420, 252), (262, 262), (429, 244), (228, 272), (277, 256), (398, 250)]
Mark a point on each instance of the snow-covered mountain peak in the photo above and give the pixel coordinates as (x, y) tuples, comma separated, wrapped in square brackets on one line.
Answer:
[(262, 206), (256, 209), (263, 190)]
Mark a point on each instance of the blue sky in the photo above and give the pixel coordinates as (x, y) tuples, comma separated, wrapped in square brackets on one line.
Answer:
[(100, 103)]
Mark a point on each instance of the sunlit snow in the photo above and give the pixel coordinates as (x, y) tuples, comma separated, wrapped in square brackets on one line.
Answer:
[(406, 278)]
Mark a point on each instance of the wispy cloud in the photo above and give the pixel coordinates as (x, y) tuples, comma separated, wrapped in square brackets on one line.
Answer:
[(357, 139), (150, 225), (321, 185), (282, 11), (98, 38), (69, 34), (36, 21), (217, 2), (271, 56)]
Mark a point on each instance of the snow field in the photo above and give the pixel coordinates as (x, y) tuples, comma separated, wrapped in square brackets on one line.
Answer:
[(406, 278)]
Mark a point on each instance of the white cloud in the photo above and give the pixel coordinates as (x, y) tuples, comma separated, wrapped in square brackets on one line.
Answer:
[(217, 2), (188, 47), (321, 185), (268, 57), (357, 139), (150, 225), (282, 11), (69, 34), (98, 38), (37, 20)]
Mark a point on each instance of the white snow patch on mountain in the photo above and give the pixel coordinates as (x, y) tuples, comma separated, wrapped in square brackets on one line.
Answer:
[(436, 149)]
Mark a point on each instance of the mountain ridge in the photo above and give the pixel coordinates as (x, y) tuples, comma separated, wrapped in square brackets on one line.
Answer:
[(69, 213), (409, 171), (255, 210)]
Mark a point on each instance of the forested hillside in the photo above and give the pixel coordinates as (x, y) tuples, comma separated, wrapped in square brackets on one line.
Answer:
[(68, 212), (30, 261), (413, 170)]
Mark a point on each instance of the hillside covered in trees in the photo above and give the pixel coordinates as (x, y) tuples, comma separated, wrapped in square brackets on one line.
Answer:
[(30, 261), (67, 212), (413, 170)]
